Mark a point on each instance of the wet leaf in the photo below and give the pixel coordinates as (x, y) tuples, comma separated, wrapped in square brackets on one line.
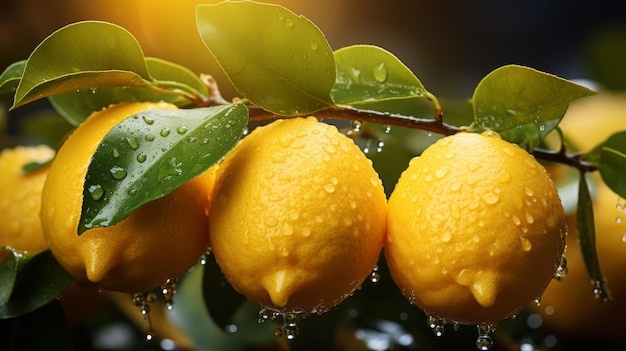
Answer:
[(79, 56), (587, 237), (151, 153), (278, 60), (45, 328), (29, 282), (368, 74), (10, 78), (172, 83), (220, 298), (522, 104), (610, 158)]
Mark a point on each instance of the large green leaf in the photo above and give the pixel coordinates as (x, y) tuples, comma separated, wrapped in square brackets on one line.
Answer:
[(368, 74), (82, 55), (28, 282), (610, 158), (278, 60), (176, 84), (10, 78), (587, 238), (151, 153), (522, 104)]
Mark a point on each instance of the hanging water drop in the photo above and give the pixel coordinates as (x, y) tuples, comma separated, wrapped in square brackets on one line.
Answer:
[(561, 270), (484, 341), (290, 328), (375, 275)]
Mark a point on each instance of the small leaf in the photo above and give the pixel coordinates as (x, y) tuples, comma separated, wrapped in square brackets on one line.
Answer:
[(33, 282), (79, 56), (368, 74), (278, 60), (222, 301), (45, 328), (10, 78), (151, 153), (522, 104), (610, 158), (587, 238), (177, 81)]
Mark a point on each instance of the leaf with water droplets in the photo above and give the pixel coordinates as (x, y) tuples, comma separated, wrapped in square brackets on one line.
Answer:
[(151, 153), (10, 78), (28, 282), (522, 104), (171, 83), (587, 237), (610, 158), (367, 75), (275, 58), (71, 58)]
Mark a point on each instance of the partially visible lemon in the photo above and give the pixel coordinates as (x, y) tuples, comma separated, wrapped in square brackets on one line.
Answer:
[(160, 240), (20, 197), (475, 229), (298, 216)]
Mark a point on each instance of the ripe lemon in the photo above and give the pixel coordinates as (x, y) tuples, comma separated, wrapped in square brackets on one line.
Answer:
[(475, 229), (160, 240), (20, 197), (298, 216)]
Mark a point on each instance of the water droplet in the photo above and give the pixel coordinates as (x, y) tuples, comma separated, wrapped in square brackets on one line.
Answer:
[(329, 188), (132, 142), (115, 153), (165, 132), (445, 237), (561, 270), (490, 198), (529, 218), (118, 173), (148, 120), (132, 191), (387, 129), (526, 244), (375, 276), (289, 22), (290, 328), (96, 192), (181, 130), (380, 73), (149, 137), (314, 45), (141, 157), (281, 16), (484, 342)]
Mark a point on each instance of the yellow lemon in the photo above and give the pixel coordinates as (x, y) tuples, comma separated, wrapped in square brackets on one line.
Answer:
[(20, 197), (160, 240), (475, 229), (298, 216)]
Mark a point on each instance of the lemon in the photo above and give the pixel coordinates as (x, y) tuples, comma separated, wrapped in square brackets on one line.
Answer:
[(298, 216), (20, 197), (475, 229), (160, 240)]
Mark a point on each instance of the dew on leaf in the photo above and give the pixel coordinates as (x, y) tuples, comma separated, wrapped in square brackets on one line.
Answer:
[(165, 132), (380, 73), (115, 153), (132, 142), (141, 157), (96, 192), (149, 137), (148, 120), (118, 173), (181, 130)]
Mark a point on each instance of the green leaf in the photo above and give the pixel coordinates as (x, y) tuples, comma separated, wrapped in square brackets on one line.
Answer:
[(610, 158), (151, 153), (82, 55), (278, 60), (45, 328), (522, 104), (30, 282), (368, 74), (587, 238), (222, 301), (177, 84), (10, 78)]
